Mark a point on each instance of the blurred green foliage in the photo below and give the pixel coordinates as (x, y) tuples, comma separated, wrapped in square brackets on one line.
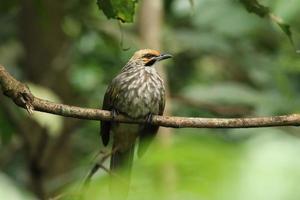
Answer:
[(223, 56), (212, 167)]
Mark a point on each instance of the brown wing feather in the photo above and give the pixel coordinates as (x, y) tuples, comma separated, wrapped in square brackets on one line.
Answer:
[(148, 132), (107, 105)]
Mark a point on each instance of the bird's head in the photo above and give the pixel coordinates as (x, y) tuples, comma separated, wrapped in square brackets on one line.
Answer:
[(149, 57)]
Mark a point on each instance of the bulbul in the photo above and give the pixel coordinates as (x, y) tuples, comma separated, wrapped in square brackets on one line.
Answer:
[(137, 92)]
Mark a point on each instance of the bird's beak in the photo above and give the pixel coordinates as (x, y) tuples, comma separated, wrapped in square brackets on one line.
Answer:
[(163, 56)]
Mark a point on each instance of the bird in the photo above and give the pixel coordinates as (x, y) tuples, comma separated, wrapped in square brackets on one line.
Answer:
[(137, 92)]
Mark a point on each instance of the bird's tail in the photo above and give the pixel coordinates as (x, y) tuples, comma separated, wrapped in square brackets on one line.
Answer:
[(120, 167), (122, 160)]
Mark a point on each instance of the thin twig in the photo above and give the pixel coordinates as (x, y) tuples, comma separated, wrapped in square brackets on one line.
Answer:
[(99, 165)]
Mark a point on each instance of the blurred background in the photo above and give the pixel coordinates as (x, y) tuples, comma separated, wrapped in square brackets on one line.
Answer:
[(227, 63)]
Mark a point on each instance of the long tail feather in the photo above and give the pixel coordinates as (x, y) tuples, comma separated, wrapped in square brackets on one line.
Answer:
[(120, 166), (122, 160)]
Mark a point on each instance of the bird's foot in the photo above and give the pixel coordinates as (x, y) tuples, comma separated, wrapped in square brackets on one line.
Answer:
[(114, 113), (149, 118)]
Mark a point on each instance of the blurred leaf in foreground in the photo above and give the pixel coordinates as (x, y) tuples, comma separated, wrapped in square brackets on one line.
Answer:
[(208, 167), (122, 10)]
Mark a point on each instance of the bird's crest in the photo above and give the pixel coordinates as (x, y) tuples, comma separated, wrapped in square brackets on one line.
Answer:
[(145, 54)]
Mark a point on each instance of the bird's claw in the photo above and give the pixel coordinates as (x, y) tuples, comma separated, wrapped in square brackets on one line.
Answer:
[(26, 99), (114, 113), (149, 118)]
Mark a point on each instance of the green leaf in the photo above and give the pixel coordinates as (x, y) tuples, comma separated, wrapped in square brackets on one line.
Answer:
[(122, 10), (262, 11), (254, 7), (284, 27)]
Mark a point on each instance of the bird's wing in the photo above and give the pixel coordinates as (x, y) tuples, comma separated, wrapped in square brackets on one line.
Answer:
[(148, 132), (107, 105)]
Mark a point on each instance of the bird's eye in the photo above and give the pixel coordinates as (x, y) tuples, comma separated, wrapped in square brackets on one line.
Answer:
[(150, 62)]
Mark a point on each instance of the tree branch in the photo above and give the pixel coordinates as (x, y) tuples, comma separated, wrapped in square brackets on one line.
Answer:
[(22, 96)]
